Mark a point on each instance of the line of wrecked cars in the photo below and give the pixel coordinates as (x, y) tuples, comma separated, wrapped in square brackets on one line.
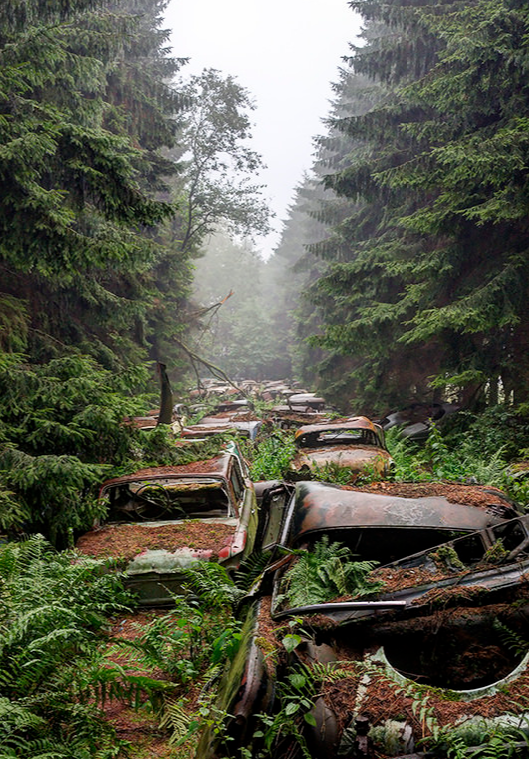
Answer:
[(442, 617)]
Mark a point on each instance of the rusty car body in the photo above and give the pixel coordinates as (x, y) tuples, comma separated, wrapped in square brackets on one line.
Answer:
[(306, 401), (356, 444), (381, 527), (441, 627), (288, 417), (403, 647), (249, 430), (164, 519)]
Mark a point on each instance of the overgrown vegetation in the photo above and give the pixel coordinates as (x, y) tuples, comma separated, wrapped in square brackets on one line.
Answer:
[(57, 669), (481, 453), (296, 695), (325, 572), (53, 674), (270, 459), (192, 644)]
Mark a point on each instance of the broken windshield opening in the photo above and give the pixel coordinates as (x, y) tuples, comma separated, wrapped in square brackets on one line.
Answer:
[(168, 499), (338, 436), (384, 544)]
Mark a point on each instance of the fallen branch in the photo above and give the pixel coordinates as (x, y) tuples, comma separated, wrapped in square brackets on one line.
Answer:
[(215, 370)]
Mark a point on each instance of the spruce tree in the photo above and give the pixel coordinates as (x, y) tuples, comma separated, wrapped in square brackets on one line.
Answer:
[(429, 289)]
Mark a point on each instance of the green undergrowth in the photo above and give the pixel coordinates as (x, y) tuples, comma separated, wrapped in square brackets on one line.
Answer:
[(64, 429), (193, 643), (478, 449), (53, 675), (475, 456), (58, 665), (326, 572), (270, 459)]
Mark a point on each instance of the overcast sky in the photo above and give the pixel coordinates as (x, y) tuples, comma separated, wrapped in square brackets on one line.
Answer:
[(286, 53)]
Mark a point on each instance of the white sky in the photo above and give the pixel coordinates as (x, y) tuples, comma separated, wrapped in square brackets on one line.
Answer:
[(286, 53)]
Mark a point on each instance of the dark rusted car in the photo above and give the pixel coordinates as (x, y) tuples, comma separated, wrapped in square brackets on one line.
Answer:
[(415, 420), (163, 519), (437, 629), (357, 444), (381, 527)]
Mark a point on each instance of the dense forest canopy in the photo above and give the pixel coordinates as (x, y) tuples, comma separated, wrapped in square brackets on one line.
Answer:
[(113, 171), (425, 287)]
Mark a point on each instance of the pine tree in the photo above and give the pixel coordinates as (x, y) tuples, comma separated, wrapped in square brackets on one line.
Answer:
[(430, 285), (79, 131)]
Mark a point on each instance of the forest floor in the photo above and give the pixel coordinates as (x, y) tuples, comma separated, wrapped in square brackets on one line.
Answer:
[(139, 725)]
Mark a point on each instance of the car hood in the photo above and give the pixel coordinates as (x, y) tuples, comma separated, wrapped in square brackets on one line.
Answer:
[(355, 458), (413, 598), (163, 545)]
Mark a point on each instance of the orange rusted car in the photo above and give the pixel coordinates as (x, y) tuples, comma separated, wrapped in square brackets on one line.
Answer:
[(356, 444)]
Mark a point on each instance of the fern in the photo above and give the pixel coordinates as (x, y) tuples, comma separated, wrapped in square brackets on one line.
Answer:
[(52, 673), (177, 719), (213, 585), (512, 640), (271, 458), (326, 572), (201, 631), (251, 570)]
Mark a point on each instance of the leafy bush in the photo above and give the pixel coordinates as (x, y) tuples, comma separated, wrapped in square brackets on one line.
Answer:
[(457, 457), (62, 431), (270, 459)]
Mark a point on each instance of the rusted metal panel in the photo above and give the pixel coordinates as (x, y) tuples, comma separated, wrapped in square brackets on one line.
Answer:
[(217, 466), (356, 443), (357, 459), (317, 507), (306, 400), (245, 429), (353, 423)]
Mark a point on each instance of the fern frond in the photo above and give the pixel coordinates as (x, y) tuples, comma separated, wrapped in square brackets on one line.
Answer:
[(177, 719), (511, 639), (212, 584), (327, 571), (251, 569)]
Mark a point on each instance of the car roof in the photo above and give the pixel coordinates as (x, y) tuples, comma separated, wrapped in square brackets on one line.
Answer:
[(316, 507), (353, 423), (217, 466)]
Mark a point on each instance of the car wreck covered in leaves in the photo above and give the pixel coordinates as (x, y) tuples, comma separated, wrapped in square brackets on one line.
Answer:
[(163, 519), (356, 444), (383, 626)]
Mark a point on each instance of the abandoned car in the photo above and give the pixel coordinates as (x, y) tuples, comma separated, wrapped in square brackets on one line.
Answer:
[(163, 519), (306, 402), (438, 622), (356, 444), (249, 430), (415, 420)]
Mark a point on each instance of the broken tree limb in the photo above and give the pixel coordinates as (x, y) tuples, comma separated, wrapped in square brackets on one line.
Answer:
[(215, 370), (166, 403), (213, 307)]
